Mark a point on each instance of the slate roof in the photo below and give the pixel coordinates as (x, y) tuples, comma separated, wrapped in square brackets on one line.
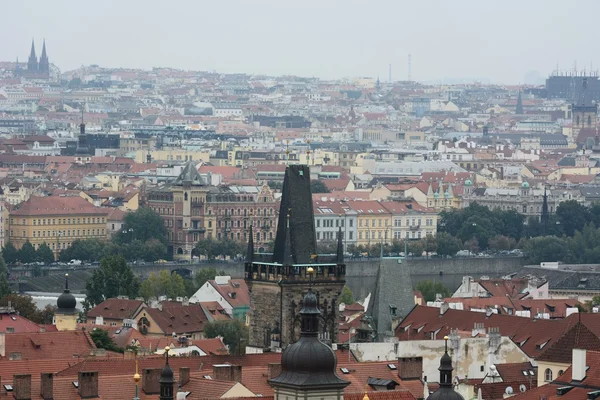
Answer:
[(190, 175)]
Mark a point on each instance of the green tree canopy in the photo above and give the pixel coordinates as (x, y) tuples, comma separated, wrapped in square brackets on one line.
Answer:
[(26, 253), (430, 289), (4, 285), (204, 275), (23, 304), (113, 278), (234, 333), (447, 245), (10, 253), (546, 249), (346, 297), (44, 254), (162, 284), (103, 341), (572, 216), (317, 186), (143, 225)]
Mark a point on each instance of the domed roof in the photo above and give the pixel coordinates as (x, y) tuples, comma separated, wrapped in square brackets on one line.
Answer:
[(525, 185), (444, 393), (309, 363), (66, 302), (166, 375), (446, 389), (468, 182), (436, 195)]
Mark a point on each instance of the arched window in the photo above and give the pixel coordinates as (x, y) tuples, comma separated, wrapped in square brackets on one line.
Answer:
[(548, 375), (560, 372)]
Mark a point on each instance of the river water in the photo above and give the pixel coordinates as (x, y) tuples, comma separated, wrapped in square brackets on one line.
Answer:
[(42, 299)]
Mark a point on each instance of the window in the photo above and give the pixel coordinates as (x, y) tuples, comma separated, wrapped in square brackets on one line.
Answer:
[(318, 223), (351, 223), (350, 234), (548, 375)]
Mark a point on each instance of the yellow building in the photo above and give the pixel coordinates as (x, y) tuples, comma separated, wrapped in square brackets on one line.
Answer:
[(56, 221), (374, 222)]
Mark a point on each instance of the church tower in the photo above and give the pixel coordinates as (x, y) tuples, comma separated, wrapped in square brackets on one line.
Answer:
[(32, 63), (446, 390), (584, 114), (66, 313), (44, 65), (278, 281)]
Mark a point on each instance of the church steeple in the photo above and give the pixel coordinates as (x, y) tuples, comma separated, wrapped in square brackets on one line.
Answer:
[(32, 63), (446, 390), (519, 109), (545, 215), (44, 65)]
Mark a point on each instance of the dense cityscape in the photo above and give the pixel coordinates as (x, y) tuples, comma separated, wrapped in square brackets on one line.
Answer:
[(179, 234)]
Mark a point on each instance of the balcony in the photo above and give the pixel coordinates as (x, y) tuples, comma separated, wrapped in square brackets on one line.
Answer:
[(415, 227)]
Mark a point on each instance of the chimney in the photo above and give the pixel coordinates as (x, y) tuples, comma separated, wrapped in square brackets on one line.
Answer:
[(184, 375), (22, 387), (150, 378), (410, 367), (46, 387), (226, 372), (274, 370), (88, 384), (578, 365), (444, 307)]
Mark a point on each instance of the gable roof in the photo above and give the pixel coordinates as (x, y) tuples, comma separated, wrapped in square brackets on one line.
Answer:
[(116, 309), (578, 337), (177, 318), (55, 345), (190, 175)]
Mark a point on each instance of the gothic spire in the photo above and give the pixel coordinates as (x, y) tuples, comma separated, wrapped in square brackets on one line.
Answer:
[(44, 50), (340, 247), (32, 63), (250, 251), (32, 52), (519, 109), (545, 215)]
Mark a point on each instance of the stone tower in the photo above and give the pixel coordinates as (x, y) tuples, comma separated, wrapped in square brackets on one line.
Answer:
[(584, 110), (32, 63), (44, 64), (279, 281)]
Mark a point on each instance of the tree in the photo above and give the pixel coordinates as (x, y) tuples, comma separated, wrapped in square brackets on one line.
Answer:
[(162, 284), (103, 341), (326, 247), (113, 278), (46, 315), (143, 224), (346, 297), (23, 304), (86, 250), (317, 186), (429, 244), (429, 290), (206, 247), (44, 254), (26, 253), (546, 248), (500, 242), (447, 245), (10, 253), (4, 285), (572, 216), (415, 247), (234, 333), (204, 275), (472, 245)]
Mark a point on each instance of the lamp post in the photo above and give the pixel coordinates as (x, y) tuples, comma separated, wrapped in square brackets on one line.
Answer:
[(58, 235)]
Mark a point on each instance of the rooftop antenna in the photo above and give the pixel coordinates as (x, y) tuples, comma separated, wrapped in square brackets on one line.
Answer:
[(410, 68)]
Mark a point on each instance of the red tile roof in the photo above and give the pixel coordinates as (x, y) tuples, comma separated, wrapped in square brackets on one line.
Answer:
[(53, 205), (17, 323), (578, 337), (177, 318), (235, 292), (55, 345), (115, 309)]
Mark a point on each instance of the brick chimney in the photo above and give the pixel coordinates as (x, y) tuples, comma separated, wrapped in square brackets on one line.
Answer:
[(150, 378), (226, 372), (184, 375), (88, 384), (22, 387), (410, 367), (47, 386), (274, 370)]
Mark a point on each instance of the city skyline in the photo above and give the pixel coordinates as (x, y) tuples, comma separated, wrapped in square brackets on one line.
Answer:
[(463, 41)]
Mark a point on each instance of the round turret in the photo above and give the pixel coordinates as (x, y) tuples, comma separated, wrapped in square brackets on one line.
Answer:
[(66, 302), (525, 185), (468, 182)]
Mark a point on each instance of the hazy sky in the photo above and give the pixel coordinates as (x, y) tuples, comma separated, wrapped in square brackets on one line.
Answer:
[(496, 40)]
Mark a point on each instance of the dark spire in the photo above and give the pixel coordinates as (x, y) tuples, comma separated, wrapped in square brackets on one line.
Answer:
[(340, 247), (299, 227), (545, 215), (250, 251), (167, 380), (309, 364), (82, 145), (66, 302), (32, 63), (446, 367), (519, 109), (44, 65)]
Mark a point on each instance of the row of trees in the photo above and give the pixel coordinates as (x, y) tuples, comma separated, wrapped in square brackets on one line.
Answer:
[(212, 248), (27, 253), (581, 248)]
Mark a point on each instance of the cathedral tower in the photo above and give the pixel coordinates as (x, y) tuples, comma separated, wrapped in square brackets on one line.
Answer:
[(32, 63)]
